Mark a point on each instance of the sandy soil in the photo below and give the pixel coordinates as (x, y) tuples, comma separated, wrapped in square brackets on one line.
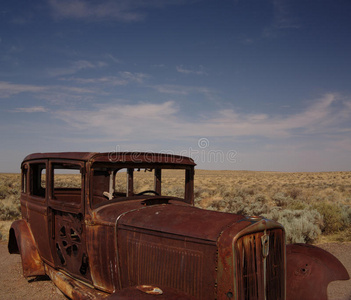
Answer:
[(14, 286), (340, 290)]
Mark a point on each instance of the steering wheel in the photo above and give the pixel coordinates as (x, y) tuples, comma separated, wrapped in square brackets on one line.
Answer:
[(148, 191)]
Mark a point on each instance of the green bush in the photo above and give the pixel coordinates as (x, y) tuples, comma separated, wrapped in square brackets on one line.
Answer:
[(336, 217), (240, 206), (8, 212), (301, 226), (294, 193), (3, 192), (281, 200), (297, 204)]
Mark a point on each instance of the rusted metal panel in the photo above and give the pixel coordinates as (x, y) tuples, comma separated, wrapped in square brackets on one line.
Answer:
[(101, 242), (139, 293), (84, 156), (21, 242), (38, 220), (181, 220), (70, 244), (116, 157), (73, 288), (147, 258), (143, 157), (309, 271)]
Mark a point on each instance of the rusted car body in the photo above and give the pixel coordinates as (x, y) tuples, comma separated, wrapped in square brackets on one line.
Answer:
[(113, 235)]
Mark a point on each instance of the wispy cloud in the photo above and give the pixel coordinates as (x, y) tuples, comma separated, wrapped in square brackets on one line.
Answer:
[(76, 67), (55, 94), (327, 115), (175, 89), (199, 71), (8, 89), (136, 77), (122, 10), (282, 19), (107, 80), (32, 109), (124, 78), (140, 120)]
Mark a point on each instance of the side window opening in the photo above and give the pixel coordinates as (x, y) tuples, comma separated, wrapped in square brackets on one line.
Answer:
[(67, 183), (38, 179), (173, 182), (24, 179)]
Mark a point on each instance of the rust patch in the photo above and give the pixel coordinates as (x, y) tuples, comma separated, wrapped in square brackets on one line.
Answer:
[(149, 289)]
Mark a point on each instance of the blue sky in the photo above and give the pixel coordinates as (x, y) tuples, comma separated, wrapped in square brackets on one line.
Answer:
[(239, 84)]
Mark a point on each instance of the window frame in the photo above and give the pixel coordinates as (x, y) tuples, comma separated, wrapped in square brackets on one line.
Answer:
[(74, 207), (33, 180)]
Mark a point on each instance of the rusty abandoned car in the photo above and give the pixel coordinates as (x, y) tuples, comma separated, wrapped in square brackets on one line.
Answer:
[(112, 236)]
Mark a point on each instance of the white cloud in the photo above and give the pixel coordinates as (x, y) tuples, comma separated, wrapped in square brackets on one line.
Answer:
[(76, 67), (199, 71), (108, 80), (8, 89), (123, 79), (165, 121), (137, 77), (114, 59), (123, 120), (182, 89), (33, 109), (121, 10)]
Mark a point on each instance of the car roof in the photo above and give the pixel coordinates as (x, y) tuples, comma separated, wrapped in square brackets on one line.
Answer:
[(115, 157)]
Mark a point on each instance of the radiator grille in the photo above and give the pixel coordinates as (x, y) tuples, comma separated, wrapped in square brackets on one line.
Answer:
[(151, 263), (250, 267)]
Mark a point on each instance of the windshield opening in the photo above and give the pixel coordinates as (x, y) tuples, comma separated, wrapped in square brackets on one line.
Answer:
[(113, 183)]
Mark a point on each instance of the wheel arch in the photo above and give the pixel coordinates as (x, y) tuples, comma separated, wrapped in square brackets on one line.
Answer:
[(309, 271), (21, 242)]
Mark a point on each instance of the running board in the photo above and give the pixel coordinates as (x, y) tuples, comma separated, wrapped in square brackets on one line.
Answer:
[(73, 289)]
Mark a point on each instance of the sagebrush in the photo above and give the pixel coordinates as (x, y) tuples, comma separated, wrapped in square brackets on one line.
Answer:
[(309, 205)]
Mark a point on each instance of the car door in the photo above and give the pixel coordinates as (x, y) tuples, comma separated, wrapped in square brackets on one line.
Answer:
[(66, 206)]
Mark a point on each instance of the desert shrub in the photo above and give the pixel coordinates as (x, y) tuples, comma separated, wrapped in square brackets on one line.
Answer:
[(9, 212), (336, 217), (281, 200), (297, 205), (261, 198), (301, 226), (294, 193), (198, 192), (238, 205), (3, 192), (175, 191)]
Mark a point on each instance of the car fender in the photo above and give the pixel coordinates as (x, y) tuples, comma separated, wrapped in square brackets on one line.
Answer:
[(309, 271), (21, 241), (149, 292)]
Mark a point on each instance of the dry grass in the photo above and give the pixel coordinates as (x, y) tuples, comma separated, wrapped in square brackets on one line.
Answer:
[(311, 206)]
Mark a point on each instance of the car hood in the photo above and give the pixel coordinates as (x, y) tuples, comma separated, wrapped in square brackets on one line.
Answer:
[(173, 217)]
